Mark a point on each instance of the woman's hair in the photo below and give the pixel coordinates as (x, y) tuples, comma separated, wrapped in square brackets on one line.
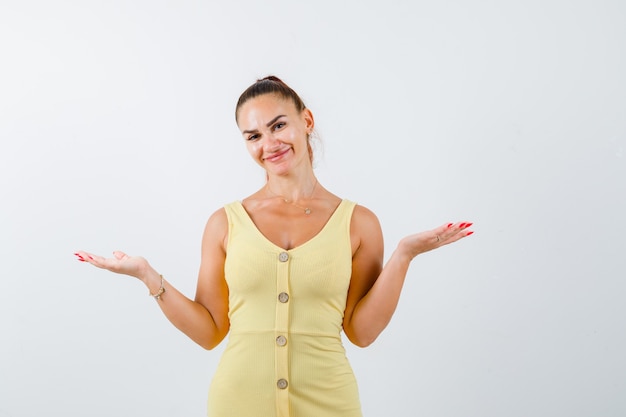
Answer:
[(269, 85)]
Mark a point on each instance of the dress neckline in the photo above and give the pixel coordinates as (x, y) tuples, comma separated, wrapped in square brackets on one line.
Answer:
[(305, 243)]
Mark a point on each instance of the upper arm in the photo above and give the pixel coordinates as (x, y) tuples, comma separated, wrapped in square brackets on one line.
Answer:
[(367, 260), (212, 291)]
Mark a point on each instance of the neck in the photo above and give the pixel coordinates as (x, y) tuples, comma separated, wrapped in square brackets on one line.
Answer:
[(292, 189)]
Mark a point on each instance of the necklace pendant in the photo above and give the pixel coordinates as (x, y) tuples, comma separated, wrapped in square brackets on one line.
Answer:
[(307, 211)]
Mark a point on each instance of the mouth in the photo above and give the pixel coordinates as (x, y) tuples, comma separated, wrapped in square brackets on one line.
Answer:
[(276, 156)]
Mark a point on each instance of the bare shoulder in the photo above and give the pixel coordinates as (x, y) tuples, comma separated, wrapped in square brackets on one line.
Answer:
[(364, 214), (365, 228), (216, 229), (364, 220)]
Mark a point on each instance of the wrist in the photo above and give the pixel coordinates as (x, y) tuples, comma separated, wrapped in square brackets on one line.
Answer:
[(403, 254), (149, 276), (154, 282), (405, 251), (157, 295)]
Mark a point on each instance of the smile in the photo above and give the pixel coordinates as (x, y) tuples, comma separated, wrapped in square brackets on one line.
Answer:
[(276, 156)]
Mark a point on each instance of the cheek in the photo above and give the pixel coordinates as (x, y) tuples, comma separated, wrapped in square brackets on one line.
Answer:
[(253, 148), (293, 136)]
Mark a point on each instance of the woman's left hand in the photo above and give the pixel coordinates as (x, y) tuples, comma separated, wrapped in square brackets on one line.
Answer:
[(418, 243)]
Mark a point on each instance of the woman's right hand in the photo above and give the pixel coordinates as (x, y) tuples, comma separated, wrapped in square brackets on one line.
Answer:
[(120, 263)]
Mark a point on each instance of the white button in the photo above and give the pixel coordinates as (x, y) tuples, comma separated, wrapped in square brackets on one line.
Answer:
[(283, 297), (282, 383), (281, 340), (283, 257)]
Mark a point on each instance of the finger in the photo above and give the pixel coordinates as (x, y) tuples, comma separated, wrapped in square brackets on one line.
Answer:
[(444, 228), (95, 260), (452, 227), (83, 256), (119, 255), (464, 229), (452, 232), (80, 256)]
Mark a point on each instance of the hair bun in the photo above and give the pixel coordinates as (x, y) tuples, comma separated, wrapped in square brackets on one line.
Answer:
[(271, 78)]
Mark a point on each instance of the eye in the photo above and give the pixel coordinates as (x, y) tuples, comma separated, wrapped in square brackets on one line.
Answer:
[(279, 125), (253, 137)]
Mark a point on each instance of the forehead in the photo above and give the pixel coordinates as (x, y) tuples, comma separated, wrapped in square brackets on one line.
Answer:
[(263, 108)]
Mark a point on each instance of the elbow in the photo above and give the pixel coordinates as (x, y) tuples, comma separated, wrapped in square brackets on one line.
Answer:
[(361, 344), (360, 340), (207, 346), (209, 343), (360, 333)]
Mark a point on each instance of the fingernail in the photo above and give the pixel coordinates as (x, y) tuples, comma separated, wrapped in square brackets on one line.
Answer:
[(468, 224), (449, 224), (469, 233), (462, 225), (90, 257)]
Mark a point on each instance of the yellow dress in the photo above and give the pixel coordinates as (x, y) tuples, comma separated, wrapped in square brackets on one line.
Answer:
[(284, 356)]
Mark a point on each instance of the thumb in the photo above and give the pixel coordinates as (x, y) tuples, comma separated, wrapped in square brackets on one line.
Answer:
[(119, 255)]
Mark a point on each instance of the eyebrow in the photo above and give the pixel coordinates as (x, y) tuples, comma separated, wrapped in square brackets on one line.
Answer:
[(268, 124)]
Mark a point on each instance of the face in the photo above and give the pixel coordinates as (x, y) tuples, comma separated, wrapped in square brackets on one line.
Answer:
[(276, 133)]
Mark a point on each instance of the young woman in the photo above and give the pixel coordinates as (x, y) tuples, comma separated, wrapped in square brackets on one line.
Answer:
[(284, 271)]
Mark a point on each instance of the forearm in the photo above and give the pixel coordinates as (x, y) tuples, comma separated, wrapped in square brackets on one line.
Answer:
[(189, 316), (374, 308), (374, 311)]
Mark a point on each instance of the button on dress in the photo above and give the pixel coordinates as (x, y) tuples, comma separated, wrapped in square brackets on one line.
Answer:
[(284, 356)]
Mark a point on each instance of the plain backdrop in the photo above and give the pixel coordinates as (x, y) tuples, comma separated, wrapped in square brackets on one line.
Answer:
[(117, 132)]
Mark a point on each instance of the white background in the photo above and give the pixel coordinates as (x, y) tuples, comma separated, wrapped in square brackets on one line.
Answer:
[(117, 132)]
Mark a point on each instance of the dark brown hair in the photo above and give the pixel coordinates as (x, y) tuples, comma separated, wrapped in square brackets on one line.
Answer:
[(269, 85)]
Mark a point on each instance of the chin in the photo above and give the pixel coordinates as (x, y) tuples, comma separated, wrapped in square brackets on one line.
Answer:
[(278, 172), (283, 168)]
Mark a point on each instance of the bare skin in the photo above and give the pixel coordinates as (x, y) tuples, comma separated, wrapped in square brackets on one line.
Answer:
[(276, 138)]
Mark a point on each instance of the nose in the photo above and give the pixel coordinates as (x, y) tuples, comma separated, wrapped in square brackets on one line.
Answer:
[(271, 142)]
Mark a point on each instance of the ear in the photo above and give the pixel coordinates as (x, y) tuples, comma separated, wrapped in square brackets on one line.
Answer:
[(309, 121)]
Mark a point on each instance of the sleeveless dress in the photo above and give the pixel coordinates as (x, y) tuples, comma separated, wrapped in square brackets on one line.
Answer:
[(284, 356)]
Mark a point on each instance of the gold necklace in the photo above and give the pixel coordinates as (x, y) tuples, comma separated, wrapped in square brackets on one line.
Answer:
[(307, 210)]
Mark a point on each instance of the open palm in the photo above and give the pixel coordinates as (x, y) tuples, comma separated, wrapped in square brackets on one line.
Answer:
[(120, 263)]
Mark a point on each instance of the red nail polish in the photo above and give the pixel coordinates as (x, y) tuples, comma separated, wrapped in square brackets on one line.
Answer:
[(91, 257), (462, 225), (469, 233), (449, 224), (468, 224)]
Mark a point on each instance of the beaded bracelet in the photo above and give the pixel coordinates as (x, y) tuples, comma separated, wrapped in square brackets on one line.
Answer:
[(160, 292)]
